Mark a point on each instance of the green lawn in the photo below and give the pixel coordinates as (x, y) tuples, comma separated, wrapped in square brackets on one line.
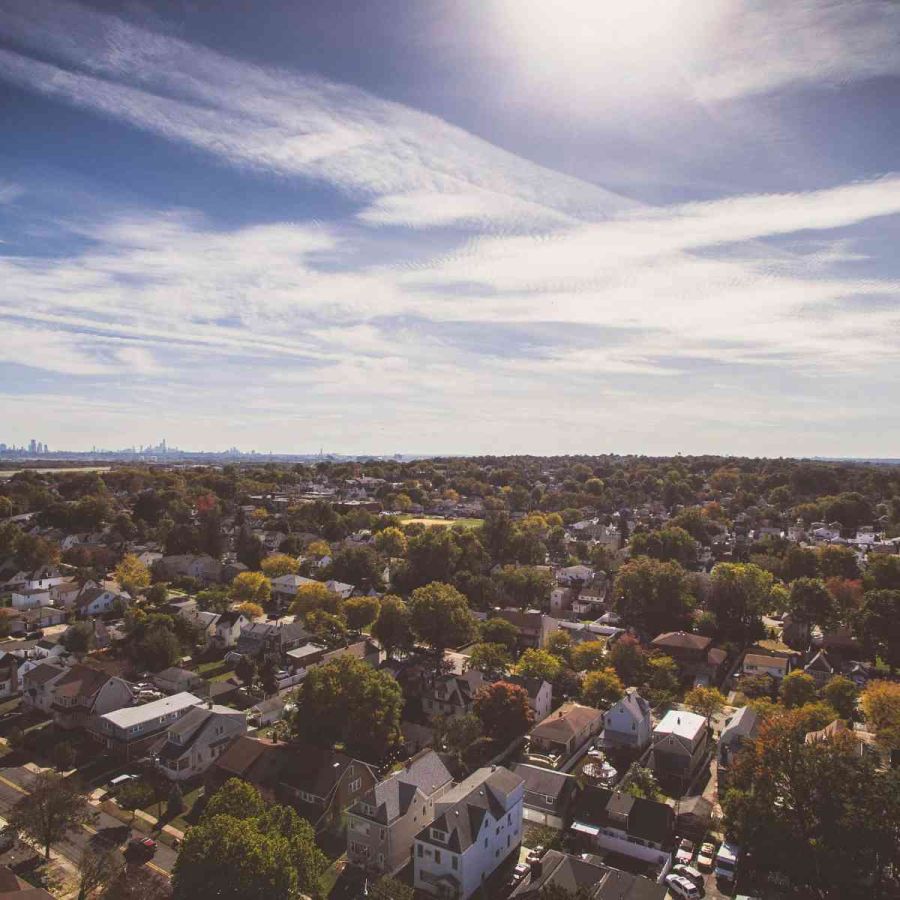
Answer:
[(409, 519)]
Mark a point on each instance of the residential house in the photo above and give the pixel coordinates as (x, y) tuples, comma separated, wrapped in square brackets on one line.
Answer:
[(763, 664), (323, 783), (12, 887), (31, 597), (284, 587), (740, 726), (38, 684), (272, 639), (178, 681), (540, 694), (561, 735), (627, 724), (575, 575), (196, 739), (266, 712), (584, 876), (258, 761), (204, 621), (452, 695), (477, 825), (548, 794), (679, 745), (203, 568), (616, 822), (694, 653), (534, 626), (228, 629), (383, 823), (94, 600), (838, 730), (131, 731), (822, 668), (83, 694), (9, 675)]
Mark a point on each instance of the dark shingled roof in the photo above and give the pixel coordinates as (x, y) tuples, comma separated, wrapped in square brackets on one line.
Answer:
[(646, 819), (538, 780), (81, 681), (681, 640)]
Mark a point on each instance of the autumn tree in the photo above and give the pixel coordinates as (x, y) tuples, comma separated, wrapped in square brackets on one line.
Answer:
[(842, 694), (279, 564), (535, 663), (97, 868), (132, 574), (314, 595), (602, 689), (706, 701), (880, 703), (250, 610), (361, 612), (252, 587), (391, 542), (628, 659), (797, 689), (588, 656), (504, 710)]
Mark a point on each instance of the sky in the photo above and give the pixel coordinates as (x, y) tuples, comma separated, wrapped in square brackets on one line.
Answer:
[(464, 227)]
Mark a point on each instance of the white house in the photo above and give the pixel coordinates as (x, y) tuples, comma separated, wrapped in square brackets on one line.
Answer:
[(228, 628), (477, 825), (38, 684), (94, 600), (628, 723), (540, 694), (31, 597), (197, 739), (761, 664)]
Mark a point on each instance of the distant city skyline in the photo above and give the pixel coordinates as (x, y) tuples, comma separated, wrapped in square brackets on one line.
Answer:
[(509, 226)]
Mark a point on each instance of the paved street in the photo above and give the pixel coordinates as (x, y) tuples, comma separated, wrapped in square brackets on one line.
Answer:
[(14, 781)]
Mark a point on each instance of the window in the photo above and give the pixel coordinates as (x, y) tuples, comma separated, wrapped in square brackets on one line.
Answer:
[(437, 856), (549, 800), (485, 843), (454, 862), (419, 850), (509, 818), (438, 835), (355, 785)]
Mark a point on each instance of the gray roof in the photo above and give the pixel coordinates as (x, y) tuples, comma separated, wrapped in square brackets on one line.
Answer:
[(137, 715), (742, 724), (538, 780), (391, 797)]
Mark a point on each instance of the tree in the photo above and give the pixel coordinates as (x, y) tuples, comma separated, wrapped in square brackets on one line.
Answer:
[(361, 611), (809, 601), (797, 689), (347, 700), (250, 610), (500, 631), (538, 664), (251, 587), (327, 628), (15, 738), (392, 626), (662, 685), (97, 868), (882, 573), (316, 596), (391, 542), (491, 659), (440, 616), (602, 689), (79, 638), (757, 686), (878, 625), (52, 809), (359, 566), (653, 595), (821, 796), (525, 586), (252, 851), (132, 574), (279, 564), (842, 694), (504, 710), (672, 544), (642, 783), (387, 888), (836, 561), (246, 670), (63, 754), (135, 795), (588, 656), (738, 595), (628, 659), (880, 703), (706, 701), (175, 804), (457, 735)]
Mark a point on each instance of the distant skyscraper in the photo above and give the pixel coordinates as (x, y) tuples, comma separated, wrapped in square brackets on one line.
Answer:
[(32, 446)]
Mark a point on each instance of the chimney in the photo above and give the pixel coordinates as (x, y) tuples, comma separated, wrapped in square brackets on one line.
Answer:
[(537, 868)]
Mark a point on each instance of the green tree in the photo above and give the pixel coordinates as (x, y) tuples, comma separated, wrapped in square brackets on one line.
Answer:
[(662, 684), (387, 888), (175, 803), (882, 573), (539, 664), (63, 755), (809, 601), (842, 694), (279, 564), (391, 542), (628, 659), (525, 586), (878, 625), (97, 868), (797, 689), (504, 710), (739, 595), (588, 656), (134, 795), (315, 596), (440, 616), (653, 595), (491, 659), (52, 809), (359, 566), (642, 783), (672, 544), (499, 631), (347, 700), (392, 626), (602, 689), (235, 798), (836, 561)]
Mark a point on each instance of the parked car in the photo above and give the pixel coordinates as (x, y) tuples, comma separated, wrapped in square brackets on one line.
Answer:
[(142, 848), (690, 873), (727, 861), (706, 856), (685, 852), (681, 887), (7, 839)]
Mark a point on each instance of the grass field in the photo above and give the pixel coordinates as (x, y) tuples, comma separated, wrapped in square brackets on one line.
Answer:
[(433, 520)]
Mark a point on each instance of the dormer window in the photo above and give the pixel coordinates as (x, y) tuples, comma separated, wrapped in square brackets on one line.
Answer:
[(438, 835)]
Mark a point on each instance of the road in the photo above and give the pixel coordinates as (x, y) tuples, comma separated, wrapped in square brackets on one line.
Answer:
[(14, 781)]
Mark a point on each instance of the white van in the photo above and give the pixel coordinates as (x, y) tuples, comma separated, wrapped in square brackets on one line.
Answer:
[(727, 860), (681, 887)]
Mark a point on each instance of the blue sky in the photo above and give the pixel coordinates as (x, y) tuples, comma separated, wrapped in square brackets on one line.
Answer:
[(471, 227)]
